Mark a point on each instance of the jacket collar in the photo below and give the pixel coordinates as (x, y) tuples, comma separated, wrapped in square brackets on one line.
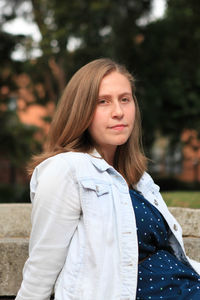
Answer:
[(98, 161)]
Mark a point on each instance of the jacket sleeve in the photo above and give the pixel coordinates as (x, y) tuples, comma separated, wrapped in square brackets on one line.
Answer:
[(55, 216)]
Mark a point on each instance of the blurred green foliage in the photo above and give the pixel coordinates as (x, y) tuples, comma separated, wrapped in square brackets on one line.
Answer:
[(16, 193), (171, 74)]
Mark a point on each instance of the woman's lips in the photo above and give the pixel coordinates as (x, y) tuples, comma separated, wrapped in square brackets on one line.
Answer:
[(118, 127)]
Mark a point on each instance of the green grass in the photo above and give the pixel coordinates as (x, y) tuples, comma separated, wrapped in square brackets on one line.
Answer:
[(182, 199)]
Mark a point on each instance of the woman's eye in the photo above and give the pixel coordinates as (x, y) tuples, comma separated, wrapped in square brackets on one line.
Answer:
[(102, 101), (125, 99)]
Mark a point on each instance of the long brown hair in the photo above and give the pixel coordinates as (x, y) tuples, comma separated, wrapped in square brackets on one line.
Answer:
[(68, 131)]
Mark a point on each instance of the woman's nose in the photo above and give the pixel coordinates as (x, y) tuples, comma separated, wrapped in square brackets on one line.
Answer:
[(117, 110)]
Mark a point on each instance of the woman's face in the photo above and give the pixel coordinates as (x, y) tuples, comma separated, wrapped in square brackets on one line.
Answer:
[(114, 114)]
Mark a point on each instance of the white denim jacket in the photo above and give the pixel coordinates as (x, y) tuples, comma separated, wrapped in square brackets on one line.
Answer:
[(83, 236)]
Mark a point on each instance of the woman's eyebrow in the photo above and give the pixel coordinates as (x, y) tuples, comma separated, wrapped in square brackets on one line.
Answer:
[(125, 94), (120, 95)]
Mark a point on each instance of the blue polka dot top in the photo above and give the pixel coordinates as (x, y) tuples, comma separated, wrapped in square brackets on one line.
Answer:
[(160, 274)]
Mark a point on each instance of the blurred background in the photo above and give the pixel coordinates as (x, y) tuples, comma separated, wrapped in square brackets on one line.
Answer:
[(42, 43)]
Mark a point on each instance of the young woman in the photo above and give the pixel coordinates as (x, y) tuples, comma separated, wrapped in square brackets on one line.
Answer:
[(100, 228)]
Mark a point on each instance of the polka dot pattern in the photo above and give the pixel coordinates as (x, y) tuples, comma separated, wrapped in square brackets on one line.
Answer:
[(162, 275)]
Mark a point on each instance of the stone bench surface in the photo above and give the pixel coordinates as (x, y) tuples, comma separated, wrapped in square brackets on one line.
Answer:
[(15, 225), (15, 220), (189, 219)]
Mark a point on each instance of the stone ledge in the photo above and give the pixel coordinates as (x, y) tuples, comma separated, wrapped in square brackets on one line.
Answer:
[(15, 220), (192, 246), (13, 253), (189, 219)]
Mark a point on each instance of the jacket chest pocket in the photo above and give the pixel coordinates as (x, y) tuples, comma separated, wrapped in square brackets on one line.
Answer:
[(96, 198)]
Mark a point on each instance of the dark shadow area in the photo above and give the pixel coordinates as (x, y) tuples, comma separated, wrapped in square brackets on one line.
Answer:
[(173, 184)]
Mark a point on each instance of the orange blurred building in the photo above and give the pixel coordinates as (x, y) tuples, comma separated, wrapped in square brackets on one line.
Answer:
[(29, 112), (23, 101), (191, 156)]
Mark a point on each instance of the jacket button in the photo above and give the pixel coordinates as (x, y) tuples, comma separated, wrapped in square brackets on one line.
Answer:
[(155, 202), (175, 227)]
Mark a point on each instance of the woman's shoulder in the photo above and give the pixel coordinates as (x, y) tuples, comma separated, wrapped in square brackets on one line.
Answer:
[(146, 180), (66, 162), (57, 168), (63, 159)]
